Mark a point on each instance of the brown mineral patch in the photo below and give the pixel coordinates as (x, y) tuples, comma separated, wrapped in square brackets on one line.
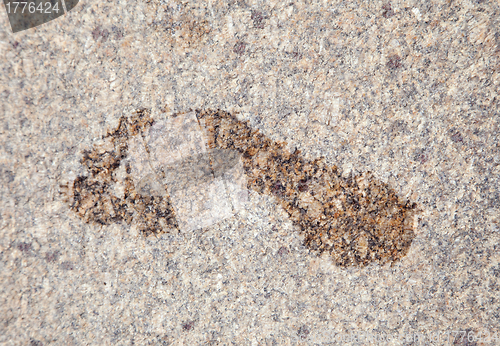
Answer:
[(357, 220), (92, 196), (387, 10), (239, 47), (394, 62), (258, 19)]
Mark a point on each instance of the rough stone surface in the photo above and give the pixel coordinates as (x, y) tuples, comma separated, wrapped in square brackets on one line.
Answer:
[(405, 90)]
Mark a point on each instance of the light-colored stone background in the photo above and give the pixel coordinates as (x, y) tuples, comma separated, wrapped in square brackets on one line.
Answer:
[(409, 92)]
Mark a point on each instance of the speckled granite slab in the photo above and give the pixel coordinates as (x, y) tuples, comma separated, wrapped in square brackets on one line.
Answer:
[(405, 90)]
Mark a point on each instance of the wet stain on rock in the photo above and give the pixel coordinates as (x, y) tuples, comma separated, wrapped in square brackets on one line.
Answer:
[(92, 196), (356, 220)]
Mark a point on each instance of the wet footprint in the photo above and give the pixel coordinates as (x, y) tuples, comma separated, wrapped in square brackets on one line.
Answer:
[(192, 169)]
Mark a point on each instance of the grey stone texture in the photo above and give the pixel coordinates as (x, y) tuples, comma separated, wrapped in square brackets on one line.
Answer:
[(407, 90)]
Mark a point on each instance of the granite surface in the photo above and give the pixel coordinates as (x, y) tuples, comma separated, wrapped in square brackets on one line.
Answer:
[(405, 90)]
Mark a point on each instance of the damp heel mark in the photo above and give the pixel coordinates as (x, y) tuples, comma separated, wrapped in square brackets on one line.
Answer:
[(357, 220), (93, 198)]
